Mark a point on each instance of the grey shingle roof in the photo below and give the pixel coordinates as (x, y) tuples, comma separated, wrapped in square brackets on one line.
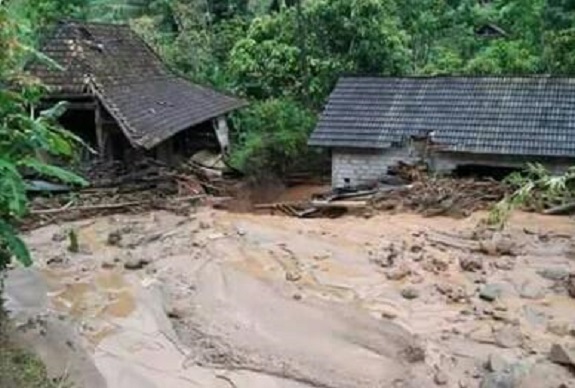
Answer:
[(498, 115), (149, 102)]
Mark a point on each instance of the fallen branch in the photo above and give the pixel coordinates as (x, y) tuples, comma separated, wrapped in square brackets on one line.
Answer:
[(561, 210)]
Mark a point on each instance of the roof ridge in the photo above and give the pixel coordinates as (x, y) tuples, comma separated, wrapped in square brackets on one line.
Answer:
[(91, 23)]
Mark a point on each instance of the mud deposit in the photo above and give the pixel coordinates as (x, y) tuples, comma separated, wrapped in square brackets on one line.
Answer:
[(237, 300)]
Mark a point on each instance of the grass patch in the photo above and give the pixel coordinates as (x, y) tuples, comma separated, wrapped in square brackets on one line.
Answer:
[(18, 368)]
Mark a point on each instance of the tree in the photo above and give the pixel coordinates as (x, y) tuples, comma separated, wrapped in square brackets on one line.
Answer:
[(272, 135), (23, 137)]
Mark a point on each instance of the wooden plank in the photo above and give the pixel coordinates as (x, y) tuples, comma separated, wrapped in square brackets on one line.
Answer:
[(340, 204)]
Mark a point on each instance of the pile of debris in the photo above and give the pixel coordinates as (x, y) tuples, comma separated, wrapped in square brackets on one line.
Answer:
[(147, 185), (410, 188), (442, 196)]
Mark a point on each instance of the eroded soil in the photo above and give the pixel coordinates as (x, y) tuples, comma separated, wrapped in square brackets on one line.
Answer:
[(237, 300)]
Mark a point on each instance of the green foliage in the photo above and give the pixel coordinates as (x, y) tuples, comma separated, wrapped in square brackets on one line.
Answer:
[(26, 140), (272, 135), (534, 188), (292, 50)]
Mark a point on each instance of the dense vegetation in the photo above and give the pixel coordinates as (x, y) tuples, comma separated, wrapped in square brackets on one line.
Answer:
[(25, 138), (287, 54)]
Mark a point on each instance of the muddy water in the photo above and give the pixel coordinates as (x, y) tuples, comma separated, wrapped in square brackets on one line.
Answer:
[(264, 301)]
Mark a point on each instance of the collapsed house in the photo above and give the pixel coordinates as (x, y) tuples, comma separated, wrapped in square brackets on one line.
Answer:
[(370, 124), (124, 101)]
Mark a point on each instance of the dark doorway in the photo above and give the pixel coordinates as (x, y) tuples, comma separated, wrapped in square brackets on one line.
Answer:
[(483, 171)]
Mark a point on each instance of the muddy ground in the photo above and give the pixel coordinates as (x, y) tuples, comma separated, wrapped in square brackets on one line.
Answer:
[(216, 299)]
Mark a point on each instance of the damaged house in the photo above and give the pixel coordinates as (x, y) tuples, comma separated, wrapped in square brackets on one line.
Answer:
[(451, 123), (124, 101)]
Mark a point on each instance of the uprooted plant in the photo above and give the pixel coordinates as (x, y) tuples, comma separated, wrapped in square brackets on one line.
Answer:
[(535, 189)]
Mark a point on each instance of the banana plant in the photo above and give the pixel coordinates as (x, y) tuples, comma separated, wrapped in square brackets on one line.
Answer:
[(25, 139)]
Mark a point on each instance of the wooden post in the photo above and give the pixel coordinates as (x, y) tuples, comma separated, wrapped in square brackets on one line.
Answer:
[(99, 131)]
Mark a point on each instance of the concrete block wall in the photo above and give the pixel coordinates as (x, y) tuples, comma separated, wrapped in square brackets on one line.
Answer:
[(365, 166)]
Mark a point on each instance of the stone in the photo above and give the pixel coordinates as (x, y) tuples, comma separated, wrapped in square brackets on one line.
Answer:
[(530, 290), (398, 273), (107, 264), (440, 378), (571, 285), (498, 380), (204, 225), (508, 337), (483, 335), (440, 265), (416, 278), (497, 363), (388, 314), (490, 292), (563, 354), (559, 328), (135, 264), (498, 245), (504, 263), (293, 276), (60, 236), (554, 274), (410, 293), (297, 296), (471, 264), (418, 257), (534, 316), (58, 259), (416, 248), (114, 238), (413, 353), (511, 377)]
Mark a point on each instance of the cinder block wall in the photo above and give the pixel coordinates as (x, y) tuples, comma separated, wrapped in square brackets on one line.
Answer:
[(364, 166)]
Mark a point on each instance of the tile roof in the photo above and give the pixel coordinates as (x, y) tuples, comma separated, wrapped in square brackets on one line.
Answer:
[(494, 115), (149, 102)]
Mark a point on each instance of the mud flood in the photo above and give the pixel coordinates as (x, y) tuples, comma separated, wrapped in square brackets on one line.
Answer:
[(216, 299)]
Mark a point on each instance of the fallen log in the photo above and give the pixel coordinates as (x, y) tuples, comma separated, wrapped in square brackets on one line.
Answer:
[(109, 206)]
